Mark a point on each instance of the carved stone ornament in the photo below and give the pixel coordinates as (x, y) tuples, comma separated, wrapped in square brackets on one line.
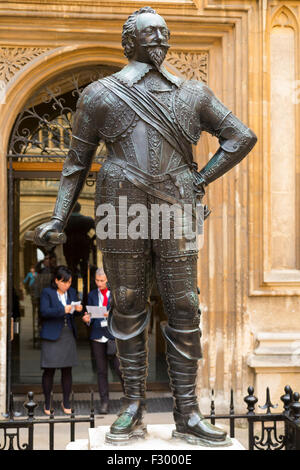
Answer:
[(13, 59), (193, 65)]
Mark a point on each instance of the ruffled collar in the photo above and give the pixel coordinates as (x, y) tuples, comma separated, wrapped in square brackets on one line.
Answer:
[(135, 71)]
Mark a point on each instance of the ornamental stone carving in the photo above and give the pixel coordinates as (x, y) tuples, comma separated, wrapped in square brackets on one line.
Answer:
[(193, 65), (13, 59)]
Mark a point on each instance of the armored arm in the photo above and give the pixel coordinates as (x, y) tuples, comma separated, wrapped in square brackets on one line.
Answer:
[(236, 140), (84, 143)]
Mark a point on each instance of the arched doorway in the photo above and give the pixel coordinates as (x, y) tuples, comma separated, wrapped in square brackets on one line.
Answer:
[(38, 144), (37, 147)]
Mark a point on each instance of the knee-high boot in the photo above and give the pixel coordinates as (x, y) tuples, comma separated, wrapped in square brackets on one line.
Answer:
[(183, 352), (132, 351)]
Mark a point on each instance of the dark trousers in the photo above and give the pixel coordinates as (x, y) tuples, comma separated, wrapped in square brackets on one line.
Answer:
[(102, 360)]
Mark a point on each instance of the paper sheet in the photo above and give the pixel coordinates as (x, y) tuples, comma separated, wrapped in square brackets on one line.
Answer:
[(73, 304), (97, 312)]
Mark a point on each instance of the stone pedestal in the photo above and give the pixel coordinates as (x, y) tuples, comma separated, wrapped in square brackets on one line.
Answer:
[(159, 437), (276, 363)]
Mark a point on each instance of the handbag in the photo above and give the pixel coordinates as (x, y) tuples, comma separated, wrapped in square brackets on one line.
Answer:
[(111, 347)]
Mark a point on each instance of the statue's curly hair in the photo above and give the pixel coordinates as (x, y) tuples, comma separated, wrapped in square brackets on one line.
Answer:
[(128, 33)]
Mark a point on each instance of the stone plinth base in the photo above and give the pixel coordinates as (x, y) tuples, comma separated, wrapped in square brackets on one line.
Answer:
[(159, 437)]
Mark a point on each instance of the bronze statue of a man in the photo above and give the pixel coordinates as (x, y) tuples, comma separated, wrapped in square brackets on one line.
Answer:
[(149, 120)]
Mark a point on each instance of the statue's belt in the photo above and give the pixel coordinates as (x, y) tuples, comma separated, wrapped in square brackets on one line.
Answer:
[(170, 174), (142, 180)]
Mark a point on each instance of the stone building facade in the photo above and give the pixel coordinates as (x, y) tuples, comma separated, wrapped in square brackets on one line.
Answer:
[(249, 268)]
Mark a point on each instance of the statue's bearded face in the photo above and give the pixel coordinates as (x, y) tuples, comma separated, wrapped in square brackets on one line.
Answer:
[(152, 37), (157, 54)]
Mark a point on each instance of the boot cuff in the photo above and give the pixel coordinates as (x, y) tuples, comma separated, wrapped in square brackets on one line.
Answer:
[(186, 343), (128, 326)]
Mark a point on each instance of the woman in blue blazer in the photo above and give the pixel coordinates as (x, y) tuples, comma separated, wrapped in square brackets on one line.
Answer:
[(103, 343), (58, 335)]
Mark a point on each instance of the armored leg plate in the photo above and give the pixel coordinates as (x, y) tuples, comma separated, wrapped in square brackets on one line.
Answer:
[(139, 432), (194, 440)]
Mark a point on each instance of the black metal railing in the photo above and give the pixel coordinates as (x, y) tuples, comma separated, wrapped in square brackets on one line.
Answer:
[(12, 425), (267, 430), (262, 428)]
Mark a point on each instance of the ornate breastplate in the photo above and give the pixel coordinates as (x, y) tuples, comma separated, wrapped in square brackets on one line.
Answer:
[(161, 88), (129, 137), (158, 150)]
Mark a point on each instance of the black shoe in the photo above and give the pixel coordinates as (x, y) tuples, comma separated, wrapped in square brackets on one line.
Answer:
[(196, 430), (104, 408), (129, 423)]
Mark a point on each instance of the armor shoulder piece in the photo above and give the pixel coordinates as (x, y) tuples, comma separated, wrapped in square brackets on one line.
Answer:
[(114, 116), (84, 127), (187, 109), (89, 95)]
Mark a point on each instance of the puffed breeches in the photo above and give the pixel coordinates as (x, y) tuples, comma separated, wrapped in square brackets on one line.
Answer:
[(130, 266)]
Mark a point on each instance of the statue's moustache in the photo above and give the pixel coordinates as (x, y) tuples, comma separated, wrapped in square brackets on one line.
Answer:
[(154, 44)]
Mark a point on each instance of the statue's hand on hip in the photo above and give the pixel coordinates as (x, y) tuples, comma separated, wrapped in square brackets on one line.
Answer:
[(199, 185)]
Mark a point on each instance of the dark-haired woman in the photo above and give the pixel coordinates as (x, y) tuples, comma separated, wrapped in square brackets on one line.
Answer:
[(58, 335)]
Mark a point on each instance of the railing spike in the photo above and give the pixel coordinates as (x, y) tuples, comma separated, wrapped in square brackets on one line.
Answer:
[(30, 405), (72, 404), (231, 412), (212, 403), (286, 398), (51, 405), (11, 406), (231, 408), (268, 405), (92, 400), (295, 406), (92, 411), (251, 401)]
